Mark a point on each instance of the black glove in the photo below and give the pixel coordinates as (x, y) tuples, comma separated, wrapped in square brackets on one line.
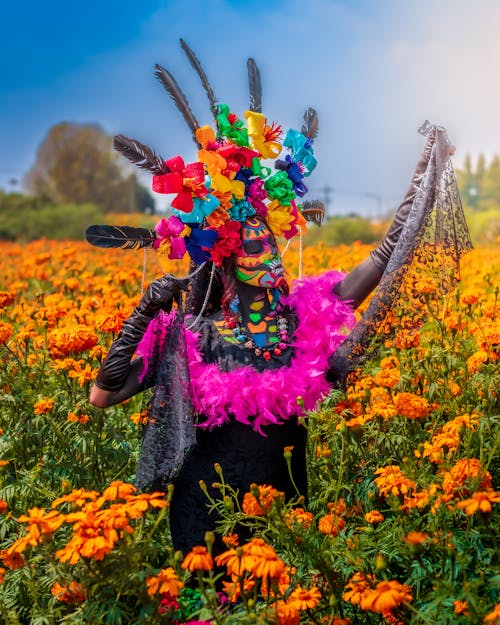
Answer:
[(159, 295)]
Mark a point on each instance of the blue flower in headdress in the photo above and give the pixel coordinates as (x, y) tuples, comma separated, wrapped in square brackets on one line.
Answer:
[(240, 210), (199, 243), (202, 207)]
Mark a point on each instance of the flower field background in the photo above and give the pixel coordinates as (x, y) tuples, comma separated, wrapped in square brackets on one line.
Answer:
[(400, 526)]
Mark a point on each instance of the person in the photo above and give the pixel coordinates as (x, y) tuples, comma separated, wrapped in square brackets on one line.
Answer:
[(236, 364)]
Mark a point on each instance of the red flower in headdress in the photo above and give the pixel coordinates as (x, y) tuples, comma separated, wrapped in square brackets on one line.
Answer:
[(228, 241), (184, 180)]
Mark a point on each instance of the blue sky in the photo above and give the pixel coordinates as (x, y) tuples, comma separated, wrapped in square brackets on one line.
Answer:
[(373, 70)]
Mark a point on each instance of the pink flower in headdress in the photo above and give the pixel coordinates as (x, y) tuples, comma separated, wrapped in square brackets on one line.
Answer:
[(256, 195), (184, 180), (228, 241), (170, 237)]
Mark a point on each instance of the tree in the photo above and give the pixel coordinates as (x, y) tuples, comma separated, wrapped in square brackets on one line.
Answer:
[(76, 163)]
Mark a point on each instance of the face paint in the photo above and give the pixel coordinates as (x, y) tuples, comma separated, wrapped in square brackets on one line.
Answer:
[(259, 262)]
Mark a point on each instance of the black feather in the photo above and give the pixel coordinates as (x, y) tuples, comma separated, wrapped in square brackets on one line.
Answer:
[(195, 62), (255, 86), (125, 237), (310, 126), (139, 154), (174, 91), (314, 210)]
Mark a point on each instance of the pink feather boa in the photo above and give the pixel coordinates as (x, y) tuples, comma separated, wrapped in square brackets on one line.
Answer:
[(263, 398)]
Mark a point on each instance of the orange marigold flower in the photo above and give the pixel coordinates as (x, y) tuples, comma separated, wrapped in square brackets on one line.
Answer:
[(3, 506), (374, 516), (288, 614), (2, 574), (198, 559), (12, 558), (265, 560), (412, 406), (82, 374), (117, 490), (460, 607), (455, 481), (415, 538), (41, 524), (392, 481), (43, 406), (6, 298), (357, 587), (109, 320), (4, 463), (260, 500), (386, 596), (79, 497), (331, 524), (74, 593), (165, 581), (230, 540), (304, 598), (76, 418), (6, 332), (477, 360), (481, 500), (493, 618), (69, 340), (298, 517)]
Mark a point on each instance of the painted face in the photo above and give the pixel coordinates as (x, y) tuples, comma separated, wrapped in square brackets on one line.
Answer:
[(259, 262)]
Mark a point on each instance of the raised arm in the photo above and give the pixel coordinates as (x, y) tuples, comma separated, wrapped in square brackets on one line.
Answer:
[(118, 377), (360, 282)]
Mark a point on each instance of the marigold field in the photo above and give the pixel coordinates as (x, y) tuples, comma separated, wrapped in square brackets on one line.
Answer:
[(402, 521)]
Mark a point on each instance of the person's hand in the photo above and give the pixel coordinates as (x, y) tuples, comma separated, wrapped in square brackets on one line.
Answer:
[(161, 294)]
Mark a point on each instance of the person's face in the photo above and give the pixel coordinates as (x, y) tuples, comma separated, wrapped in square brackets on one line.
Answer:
[(258, 262)]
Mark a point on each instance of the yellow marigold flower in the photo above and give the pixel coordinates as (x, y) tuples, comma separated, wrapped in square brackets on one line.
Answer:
[(392, 481), (259, 501), (74, 593), (481, 501), (374, 516), (415, 538), (288, 614), (43, 406), (6, 332), (198, 559), (386, 596), (330, 524), (304, 598), (165, 581), (412, 406), (493, 618)]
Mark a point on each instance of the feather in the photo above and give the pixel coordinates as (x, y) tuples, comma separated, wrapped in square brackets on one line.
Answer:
[(313, 210), (124, 237), (310, 126), (255, 86), (174, 91), (195, 62), (139, 154)]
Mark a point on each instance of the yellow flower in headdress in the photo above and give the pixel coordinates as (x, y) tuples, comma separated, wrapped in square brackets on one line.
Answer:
[(279, 218), (263, 136)]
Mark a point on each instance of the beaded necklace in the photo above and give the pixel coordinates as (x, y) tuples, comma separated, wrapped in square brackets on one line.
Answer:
[(279, 337)]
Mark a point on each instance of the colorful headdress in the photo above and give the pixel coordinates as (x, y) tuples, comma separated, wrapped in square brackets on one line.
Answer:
[(230, 181)]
